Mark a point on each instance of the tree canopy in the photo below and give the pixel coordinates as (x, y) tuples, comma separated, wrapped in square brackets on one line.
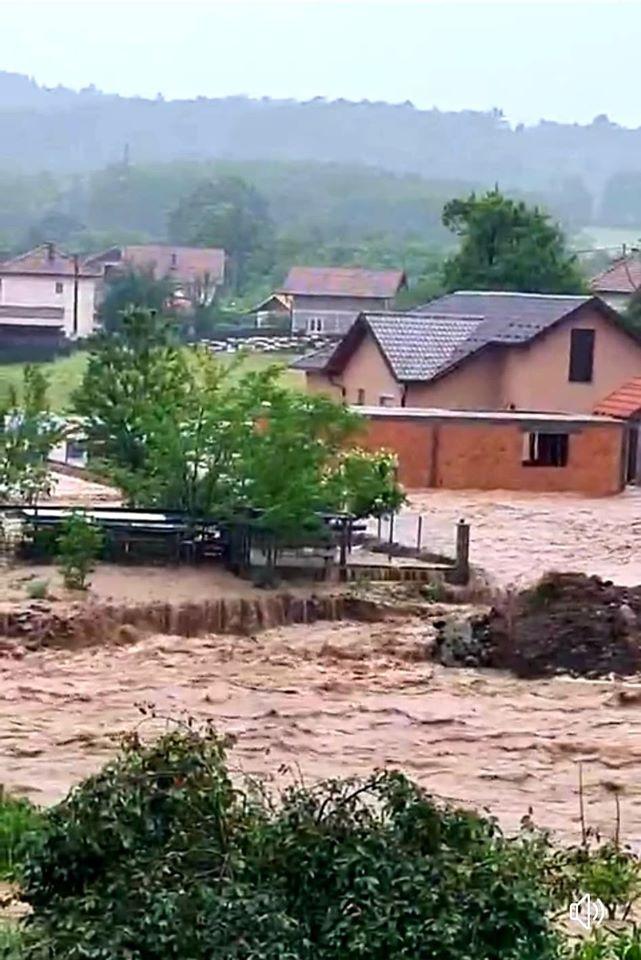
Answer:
[(176, 427), (506, 245), (224, 212)]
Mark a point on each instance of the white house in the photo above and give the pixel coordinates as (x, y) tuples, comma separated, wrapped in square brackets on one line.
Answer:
[(47, 293)]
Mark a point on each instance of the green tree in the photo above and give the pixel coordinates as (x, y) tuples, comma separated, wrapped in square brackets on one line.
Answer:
[(137, 370), (28, 432), (506, 245), (162, 856), (224, 212), (176, 427), (134, 288), (79, 545)]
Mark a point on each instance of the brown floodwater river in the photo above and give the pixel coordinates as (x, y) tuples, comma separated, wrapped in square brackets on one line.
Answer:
[(328, 699)]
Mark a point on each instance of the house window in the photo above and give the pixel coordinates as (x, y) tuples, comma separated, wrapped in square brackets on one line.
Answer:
[(545, 449), (360, 397), (315, 325), (59, 286), (581, 356)]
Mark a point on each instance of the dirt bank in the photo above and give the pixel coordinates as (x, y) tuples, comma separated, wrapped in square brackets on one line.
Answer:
[(334, 698)]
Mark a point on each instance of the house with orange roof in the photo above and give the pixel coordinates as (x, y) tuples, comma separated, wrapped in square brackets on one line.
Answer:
[(619, 282)]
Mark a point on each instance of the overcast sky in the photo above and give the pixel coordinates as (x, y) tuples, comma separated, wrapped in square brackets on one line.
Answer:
[(561, 60)]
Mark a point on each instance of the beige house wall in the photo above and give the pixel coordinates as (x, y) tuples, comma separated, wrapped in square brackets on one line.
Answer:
[(368, 371), (37, 290), (535, 377), (475, 385)]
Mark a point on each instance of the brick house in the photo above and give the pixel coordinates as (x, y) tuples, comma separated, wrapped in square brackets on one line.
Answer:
[(328, 300), (501, 450), (482, 351)]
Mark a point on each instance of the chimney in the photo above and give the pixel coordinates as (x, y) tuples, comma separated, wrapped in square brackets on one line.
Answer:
[(50, 251)]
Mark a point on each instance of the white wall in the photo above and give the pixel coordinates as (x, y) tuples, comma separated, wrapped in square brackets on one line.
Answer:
[(40, 291)]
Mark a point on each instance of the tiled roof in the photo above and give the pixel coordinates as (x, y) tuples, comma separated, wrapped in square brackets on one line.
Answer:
[(45, 259), (343, 282), (624, 276), (317, 360), (518, 316), (183, 263), (417, 347), (624, 402)]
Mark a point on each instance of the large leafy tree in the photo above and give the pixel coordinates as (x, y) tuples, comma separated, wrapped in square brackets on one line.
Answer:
[(506, 245), (224, 212), (176, 427)]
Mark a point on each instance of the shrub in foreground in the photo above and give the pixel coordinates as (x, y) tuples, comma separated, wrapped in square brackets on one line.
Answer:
[(161, 856)]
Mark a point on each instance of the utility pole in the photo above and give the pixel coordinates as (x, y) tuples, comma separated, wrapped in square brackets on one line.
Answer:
[(75, 294)]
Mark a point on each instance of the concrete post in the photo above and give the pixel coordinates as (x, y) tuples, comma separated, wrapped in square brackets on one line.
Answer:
[(462, 569)]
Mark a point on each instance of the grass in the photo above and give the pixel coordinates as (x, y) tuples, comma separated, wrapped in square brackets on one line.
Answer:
[(66, 373), (10, 941)]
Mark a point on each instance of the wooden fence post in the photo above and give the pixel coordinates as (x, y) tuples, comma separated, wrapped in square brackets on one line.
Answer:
[(419, 533), (462, 570)]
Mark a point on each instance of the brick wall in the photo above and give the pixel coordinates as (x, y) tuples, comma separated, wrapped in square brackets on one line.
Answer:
[(487, 455)]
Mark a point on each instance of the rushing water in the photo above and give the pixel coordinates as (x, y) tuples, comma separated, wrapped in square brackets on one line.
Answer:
[(333, 698)]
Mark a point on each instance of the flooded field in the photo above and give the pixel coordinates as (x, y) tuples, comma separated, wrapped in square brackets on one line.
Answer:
[(334, 698), (517, 537)]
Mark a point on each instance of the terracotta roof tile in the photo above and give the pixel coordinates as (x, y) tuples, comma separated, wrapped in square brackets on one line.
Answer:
[(624, 402), (45, 259), (183, 263), (343, 282), (624, 276)]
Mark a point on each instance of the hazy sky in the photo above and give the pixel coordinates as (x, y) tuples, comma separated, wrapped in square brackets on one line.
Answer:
[(562, 60)]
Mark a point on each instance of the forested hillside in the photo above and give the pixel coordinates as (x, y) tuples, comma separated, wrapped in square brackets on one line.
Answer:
[(583, 173)]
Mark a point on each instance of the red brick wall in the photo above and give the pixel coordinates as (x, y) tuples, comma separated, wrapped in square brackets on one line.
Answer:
[(488, 456)]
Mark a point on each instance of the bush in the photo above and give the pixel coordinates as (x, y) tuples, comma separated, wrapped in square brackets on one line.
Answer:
[(79, 544), (19, 819), (161, 857), (38, 589), (10, 941)]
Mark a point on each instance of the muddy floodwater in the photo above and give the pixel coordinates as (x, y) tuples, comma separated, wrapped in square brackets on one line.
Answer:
[(334, 698)]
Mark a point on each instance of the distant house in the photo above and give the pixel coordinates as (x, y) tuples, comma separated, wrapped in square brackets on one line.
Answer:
[(328, 299), (46, 296), (196, 271), (619, 282), (482, 351)]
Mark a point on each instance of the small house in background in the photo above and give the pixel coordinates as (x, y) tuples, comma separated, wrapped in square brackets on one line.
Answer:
[(619, 282), (46, 297), (274, 313), (197, 272), (482, 351), (327, 300)]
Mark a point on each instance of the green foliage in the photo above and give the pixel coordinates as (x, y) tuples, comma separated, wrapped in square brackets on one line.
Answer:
[(11, 944), (364, 483), (608, 945), (79, 545), (19, 820), (162, 856), (28, 432), (506, 245), (134, 288), (180, 429), (37, 589), (225, 212)]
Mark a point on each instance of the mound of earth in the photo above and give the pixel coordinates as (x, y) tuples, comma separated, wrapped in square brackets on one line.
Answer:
[(567, 623)]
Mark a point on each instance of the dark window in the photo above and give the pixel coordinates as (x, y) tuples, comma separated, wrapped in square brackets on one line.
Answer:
[(581, 356), (59, 286), (545, 449), (360, 400)]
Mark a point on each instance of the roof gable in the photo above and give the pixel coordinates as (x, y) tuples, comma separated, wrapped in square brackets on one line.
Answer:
[(46, 259), (183, 263), (343, 282)]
